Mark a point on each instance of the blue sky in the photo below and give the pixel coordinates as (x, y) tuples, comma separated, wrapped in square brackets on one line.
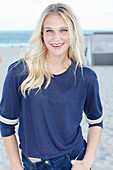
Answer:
[(23, 14)]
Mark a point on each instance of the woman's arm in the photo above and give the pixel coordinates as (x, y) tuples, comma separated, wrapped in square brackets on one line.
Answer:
[(94, 134), (12, 150)]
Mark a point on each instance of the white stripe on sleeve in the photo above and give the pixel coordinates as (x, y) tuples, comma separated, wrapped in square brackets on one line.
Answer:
[(9, 121), (94, 121)]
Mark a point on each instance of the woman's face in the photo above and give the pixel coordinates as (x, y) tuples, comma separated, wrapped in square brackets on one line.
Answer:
[(56, 35)]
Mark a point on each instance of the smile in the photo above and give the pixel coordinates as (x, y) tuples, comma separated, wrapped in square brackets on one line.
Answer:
[(57, 45)]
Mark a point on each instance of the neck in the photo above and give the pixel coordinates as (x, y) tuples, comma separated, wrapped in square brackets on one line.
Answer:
[(58, 64)]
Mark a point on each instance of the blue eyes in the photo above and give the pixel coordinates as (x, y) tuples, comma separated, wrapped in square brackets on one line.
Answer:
[(62, 30), (48, 30)]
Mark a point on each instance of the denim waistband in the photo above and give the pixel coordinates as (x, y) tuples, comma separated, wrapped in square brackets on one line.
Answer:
[(75, 154)]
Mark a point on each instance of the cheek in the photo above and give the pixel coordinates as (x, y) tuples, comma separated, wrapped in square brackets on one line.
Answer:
[(47, 38), (66, 37)]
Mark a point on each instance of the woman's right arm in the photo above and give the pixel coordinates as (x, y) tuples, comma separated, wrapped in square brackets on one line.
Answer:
[(10, 112), (12, 150)]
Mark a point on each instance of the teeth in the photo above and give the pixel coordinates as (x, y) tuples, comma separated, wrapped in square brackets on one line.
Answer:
[(56, 45)]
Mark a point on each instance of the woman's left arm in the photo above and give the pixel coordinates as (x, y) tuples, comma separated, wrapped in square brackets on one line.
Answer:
[(94, 134)]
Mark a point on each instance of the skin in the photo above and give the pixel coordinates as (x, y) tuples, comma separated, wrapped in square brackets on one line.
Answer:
[(57, 41), (11, 146)]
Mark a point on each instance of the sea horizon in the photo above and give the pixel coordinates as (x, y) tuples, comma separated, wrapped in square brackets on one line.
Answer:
[(15, 38)]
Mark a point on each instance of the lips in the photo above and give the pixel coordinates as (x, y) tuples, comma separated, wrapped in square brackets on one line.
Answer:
[(58, 45)]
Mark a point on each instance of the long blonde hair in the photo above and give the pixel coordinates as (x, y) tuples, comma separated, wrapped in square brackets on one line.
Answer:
[(36, 57)]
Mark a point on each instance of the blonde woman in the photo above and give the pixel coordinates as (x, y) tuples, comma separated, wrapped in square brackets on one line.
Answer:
[(47, 92)]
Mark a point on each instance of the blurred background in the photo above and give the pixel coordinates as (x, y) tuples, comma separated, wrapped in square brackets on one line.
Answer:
[(19, 18)]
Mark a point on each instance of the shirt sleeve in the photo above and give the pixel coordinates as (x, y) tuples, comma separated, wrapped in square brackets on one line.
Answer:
[(93, 106), (9, 106)]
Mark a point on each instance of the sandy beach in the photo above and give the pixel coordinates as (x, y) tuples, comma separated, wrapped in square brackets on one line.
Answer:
[(104, 154)]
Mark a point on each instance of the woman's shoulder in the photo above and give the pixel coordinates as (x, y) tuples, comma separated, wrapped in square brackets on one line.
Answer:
[(87, 72), (17, 67)]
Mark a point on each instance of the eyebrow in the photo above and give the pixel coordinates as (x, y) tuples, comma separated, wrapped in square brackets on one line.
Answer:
[(59, 28)]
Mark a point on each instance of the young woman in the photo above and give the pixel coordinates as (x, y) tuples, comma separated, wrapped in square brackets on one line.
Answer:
[(47, 92)]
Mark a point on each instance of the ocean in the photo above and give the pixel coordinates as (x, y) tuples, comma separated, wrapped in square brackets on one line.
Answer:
[(14, 38)]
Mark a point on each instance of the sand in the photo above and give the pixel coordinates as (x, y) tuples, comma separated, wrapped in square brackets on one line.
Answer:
[(104, 154)]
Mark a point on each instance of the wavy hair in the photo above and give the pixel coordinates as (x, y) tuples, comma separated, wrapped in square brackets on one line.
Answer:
[(35, 58)]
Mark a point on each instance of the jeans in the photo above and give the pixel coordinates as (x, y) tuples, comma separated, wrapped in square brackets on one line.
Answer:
[(58, 163)]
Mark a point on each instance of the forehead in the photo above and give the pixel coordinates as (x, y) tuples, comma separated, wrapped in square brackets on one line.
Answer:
[(54, 20)]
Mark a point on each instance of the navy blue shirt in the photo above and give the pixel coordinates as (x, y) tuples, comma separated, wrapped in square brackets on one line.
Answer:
[(49, 121)]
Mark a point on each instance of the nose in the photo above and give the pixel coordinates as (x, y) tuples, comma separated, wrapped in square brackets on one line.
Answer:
[(57, 36)]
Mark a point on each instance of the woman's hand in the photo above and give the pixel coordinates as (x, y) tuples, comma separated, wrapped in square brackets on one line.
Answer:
[(79, 165)]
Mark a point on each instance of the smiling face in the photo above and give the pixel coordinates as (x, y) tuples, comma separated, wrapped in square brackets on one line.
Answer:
[(56, 35)]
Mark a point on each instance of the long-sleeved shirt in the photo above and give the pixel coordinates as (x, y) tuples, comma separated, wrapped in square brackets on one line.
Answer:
[(49, 121)]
